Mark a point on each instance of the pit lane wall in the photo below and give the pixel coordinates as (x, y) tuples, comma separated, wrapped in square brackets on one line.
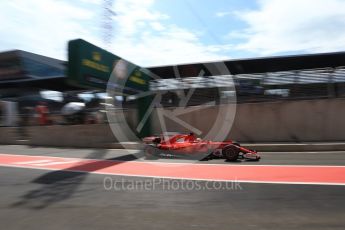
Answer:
[(79, 136), (9, 135), (290, 121), (282, 121)]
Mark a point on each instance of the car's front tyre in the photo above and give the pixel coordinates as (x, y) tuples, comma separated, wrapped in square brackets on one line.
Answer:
[(231, 152)]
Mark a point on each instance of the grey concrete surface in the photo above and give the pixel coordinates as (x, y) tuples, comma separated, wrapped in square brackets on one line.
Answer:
[(290, 121), (92, 136), (9, 135)]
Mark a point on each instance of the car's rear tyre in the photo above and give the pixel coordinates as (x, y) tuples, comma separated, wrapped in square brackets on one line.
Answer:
[(149, 156), (150, 153), (231, 153)]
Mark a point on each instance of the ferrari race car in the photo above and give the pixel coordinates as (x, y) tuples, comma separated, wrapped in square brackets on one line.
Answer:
[(188, 146)]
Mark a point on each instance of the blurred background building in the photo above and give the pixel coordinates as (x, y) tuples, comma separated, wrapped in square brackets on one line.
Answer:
[(34, 91), (26, 79)]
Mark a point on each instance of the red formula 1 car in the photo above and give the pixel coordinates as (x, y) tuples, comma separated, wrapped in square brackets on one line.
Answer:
[(188, 146)]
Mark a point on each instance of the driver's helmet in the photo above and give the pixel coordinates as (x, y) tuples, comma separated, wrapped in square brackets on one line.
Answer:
[(191, 137)]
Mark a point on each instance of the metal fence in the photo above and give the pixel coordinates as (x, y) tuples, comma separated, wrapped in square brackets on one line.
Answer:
[(248, 88), (258, 87)]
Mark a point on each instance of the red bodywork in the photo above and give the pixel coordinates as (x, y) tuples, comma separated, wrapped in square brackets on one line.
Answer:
[(189, 145)]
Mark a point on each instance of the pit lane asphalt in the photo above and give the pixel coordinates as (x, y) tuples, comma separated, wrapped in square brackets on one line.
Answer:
[(268, 158), (39, 199)]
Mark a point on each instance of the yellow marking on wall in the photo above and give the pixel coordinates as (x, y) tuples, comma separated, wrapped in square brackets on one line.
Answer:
[(137, 80), (95, 65), (96, 56)]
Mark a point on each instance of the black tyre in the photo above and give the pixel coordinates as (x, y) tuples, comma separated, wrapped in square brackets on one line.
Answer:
[(231, 153), (151, 153), (150, 157)]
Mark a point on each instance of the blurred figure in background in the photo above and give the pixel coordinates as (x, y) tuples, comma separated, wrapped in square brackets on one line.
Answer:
[(26, 113), (1, 113), (42, 112), (74, 112)]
